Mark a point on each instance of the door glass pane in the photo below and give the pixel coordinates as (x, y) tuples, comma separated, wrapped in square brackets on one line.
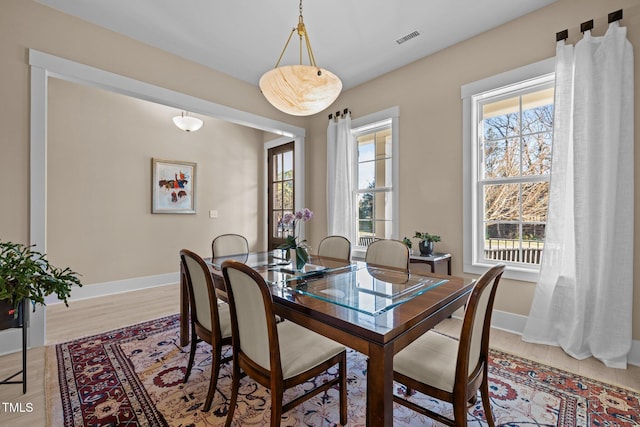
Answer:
[(287, 165), (287, 194), (277, 195), (277, 167)]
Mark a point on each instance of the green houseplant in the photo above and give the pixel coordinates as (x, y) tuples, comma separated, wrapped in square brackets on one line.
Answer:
[(426, 242), (407, 241), (27, 274)]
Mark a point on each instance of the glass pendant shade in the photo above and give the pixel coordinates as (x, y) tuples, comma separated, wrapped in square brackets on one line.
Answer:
[(187, 123), (300, 90)]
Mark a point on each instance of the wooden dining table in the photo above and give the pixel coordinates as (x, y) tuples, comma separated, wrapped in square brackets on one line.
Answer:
[(375, 311)]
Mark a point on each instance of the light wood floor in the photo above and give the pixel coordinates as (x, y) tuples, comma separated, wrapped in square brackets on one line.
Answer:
[(97, 315)]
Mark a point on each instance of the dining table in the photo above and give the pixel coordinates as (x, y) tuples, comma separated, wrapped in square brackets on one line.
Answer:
[(374, 310)]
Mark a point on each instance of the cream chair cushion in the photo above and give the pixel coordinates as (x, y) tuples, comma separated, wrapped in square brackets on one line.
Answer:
[(302, 349), (388, 253), (335, 247), (225, 319), (431, 359), (229, 244)]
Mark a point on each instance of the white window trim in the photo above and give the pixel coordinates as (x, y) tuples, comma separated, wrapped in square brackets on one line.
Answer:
[(469, 164), (392, 113)]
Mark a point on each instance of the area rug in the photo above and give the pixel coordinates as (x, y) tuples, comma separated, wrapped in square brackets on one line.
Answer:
[(133, 377)]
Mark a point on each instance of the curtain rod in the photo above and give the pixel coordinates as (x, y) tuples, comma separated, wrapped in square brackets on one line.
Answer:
[(588, 25), (337, 113)]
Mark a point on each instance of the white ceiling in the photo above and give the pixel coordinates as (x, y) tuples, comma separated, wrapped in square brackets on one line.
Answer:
[(354, 39)]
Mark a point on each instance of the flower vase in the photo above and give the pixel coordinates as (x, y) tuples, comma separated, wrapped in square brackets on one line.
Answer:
[(298, 257)]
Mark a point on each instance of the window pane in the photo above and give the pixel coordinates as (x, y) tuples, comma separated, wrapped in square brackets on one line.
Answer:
[(501, 235), (535, 197), (537, 120), (500, 127), (366, 147), (365, 206), (537, 111), (383, 172), (501, 202), (366, 175), (502, 242), (536, 156), (501, 158), (374, 216)]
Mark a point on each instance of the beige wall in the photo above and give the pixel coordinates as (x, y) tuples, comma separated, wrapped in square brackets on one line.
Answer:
[(428, 94), (105, 234), (100, 146)]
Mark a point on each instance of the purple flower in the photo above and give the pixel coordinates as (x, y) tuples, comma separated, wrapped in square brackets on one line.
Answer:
[(307, 215), (288, 218), (299, 215)]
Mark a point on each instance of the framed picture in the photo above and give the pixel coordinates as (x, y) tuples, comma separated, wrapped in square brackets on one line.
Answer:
[(173, 187)]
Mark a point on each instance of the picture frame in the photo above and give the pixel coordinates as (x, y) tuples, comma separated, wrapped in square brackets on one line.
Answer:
[(173, 187)]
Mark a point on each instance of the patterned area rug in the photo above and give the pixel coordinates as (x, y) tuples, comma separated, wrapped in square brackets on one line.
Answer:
[(133, 377)]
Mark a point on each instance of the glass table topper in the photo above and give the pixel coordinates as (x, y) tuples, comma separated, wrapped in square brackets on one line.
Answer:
[(368, 290)]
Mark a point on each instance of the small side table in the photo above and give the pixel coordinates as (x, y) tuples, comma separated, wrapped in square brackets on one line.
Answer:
[(433, 260)]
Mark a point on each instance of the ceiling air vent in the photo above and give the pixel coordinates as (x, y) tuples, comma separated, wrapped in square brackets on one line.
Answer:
[(408, 37)]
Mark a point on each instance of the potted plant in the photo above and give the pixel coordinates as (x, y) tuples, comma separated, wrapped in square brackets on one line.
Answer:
[(408, 243), (26, 274), (297, 250), (426, 242)]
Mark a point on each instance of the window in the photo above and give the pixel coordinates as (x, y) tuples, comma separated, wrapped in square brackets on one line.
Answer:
[(508, 161), (375, 197)]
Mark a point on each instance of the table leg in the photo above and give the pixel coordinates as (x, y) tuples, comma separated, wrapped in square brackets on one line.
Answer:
[(449, 266), (184, 310), (380, 386)]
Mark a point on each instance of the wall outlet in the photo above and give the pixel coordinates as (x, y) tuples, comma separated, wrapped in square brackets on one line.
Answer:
[(213, 214)]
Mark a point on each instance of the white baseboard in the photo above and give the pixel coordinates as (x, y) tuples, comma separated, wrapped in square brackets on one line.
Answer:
[(11, 339), (117, 287), (514, 323)]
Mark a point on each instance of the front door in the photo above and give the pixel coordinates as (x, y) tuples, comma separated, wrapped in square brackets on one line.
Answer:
[(281, 189)]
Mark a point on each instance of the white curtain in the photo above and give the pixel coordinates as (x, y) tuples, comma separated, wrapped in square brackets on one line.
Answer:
[(583, 299), (340, 177)]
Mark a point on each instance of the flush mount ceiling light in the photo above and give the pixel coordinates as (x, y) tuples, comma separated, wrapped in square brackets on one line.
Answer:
[(187, 123), (300, 90)]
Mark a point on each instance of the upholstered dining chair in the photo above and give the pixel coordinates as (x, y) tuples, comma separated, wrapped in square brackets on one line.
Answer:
[(335, 247), (229, 244), (276, 355), (388, 253), (210, 318), (449, 369)]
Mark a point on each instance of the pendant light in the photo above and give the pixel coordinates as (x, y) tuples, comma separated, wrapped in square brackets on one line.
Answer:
[(300, 90), (187, 123)]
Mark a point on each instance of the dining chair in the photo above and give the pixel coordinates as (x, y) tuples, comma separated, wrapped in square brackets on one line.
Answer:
[(449, 369), (335, 247), (276, 355), (388, 253), (229, 244), (210, 318)]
